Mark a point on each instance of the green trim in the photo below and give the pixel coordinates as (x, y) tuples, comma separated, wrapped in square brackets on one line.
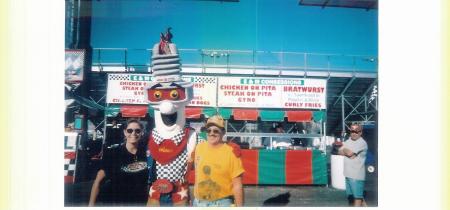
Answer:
[(271, 115), (202, 136), (209, 111), (112, 111), (225, 113), (319, 167), (271, 167), (319, 116), (151, 111)]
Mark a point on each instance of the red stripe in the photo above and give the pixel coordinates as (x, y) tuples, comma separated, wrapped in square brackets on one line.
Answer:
[(69, 155), (68, 179), (193, 112), (245, 114), (299, 116), (298, 167), (250, 163), (133, 110)]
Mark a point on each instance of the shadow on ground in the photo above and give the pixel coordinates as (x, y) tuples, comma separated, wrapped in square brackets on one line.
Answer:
[(279, 200)]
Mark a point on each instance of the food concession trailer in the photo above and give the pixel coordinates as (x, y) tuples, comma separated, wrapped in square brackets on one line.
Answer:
[(251, 106)]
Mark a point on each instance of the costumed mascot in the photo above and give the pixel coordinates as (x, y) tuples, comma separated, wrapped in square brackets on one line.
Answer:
[(170, 143)]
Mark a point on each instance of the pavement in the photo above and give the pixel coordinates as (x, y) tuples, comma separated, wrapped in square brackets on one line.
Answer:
[(305, 195), (262, 195)]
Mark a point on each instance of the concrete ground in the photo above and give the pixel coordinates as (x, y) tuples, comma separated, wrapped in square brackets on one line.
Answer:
[(305, 196), (302, 196)]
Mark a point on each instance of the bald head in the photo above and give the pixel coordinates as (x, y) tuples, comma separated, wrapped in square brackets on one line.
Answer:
[(355, 131)]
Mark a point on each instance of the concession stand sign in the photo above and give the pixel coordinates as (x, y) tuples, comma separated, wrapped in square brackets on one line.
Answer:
[(258, 92), (129, 89), (205, 89)]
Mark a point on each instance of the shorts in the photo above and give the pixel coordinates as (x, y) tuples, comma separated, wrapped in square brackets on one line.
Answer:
[(224, 202), (354, 187)]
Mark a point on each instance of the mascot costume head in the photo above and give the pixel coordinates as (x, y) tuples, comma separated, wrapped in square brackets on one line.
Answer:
[(170, 143)]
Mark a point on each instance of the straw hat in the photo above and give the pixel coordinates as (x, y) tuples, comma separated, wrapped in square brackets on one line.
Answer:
[(216, 120)]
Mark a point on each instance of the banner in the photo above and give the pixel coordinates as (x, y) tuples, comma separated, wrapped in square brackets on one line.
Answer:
[(70, 153), (237, 92), (127, 88), (253, 92), (74, 66), (281, 167), (205, 90)]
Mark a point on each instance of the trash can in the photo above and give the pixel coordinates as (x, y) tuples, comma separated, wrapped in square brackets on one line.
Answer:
[(337, 172)]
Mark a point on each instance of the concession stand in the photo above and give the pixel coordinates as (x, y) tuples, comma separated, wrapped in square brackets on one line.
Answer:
[(252, 107)]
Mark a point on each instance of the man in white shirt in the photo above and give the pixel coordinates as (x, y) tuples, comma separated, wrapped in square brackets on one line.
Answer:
[(355, 150)]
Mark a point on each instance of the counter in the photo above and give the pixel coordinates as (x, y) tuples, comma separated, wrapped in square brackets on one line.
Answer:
[(282, 167)]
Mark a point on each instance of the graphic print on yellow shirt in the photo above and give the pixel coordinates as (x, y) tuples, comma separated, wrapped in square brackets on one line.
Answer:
[(214, 170), (209, 188)]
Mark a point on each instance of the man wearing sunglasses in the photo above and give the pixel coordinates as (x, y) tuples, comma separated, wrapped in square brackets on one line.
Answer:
[(354, 150), (218, 169)]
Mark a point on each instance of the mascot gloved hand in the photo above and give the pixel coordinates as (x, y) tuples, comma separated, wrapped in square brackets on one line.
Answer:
[(170, 143)]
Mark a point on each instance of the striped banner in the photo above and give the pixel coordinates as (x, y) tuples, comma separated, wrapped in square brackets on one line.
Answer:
[(193, 112), (282, 167), (250, 163), (299, 167), (271, 167), (268, 115), (319, 169)]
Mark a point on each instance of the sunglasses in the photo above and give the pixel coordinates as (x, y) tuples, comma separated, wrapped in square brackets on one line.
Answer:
[(214, 131), (137, 131), (353, 131)]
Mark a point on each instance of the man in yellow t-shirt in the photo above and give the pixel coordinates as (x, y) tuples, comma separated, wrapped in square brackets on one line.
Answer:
[(218, 170)]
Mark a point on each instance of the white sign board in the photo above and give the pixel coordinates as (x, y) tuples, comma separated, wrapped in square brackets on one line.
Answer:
[(258, 92), (251, 92), (70, 141), (127, 88), (205, 90)]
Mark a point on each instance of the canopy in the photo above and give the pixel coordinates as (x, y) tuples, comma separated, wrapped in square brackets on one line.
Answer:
[(270, 115)]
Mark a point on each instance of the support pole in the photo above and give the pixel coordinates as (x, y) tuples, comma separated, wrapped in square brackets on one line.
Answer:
[(105, 120), (343, 113), (81, 39), (325, 134)]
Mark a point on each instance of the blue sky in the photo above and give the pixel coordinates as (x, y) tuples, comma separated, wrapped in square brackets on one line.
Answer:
[(255, 25), (268, 25)]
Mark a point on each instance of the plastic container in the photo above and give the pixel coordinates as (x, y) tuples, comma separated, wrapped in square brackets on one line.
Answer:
[(337, 172)]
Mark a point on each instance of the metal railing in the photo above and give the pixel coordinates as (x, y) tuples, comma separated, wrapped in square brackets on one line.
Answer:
[(270, 136), (245, 59)]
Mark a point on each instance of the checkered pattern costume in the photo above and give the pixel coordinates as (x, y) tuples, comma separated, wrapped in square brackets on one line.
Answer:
[(175, 170)]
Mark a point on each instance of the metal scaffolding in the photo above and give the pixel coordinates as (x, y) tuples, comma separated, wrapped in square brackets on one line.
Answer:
[(349, 85)]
